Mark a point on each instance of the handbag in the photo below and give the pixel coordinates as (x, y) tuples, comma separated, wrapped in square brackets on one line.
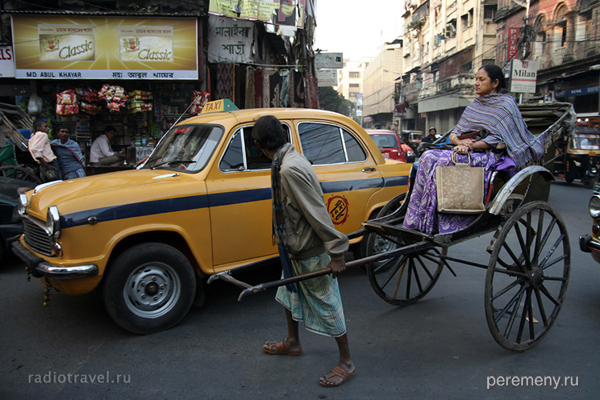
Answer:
[(460, 188)]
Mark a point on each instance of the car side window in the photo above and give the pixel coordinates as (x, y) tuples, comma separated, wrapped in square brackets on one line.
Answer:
[(243, 155), (233, 159), (329, 144)]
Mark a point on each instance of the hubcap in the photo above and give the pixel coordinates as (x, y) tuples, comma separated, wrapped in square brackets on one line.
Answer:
[(152, 290)]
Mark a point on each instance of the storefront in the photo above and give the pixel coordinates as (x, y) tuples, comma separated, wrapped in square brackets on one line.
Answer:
[(137, 74)]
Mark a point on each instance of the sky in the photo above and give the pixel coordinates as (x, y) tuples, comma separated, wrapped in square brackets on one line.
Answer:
[(357, 28)]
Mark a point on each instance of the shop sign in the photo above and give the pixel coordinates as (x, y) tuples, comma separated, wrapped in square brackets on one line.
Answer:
[(279, 12), (329, 60), (230, 40), (523, 76), (7, 62), (578, 92), (57, 47), (513, 43), (327, 77)]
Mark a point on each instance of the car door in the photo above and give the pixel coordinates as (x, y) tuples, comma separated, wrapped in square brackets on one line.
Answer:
[(348, 173)]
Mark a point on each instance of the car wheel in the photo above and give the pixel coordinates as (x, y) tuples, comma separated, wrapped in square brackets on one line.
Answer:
[(149, 288)]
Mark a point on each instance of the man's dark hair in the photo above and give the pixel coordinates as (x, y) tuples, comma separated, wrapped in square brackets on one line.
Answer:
[(110, 128), (268, 132), (37, 124), (64, 127), (495, 72)]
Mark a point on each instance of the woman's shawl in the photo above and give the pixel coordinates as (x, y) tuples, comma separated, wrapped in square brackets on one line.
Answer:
[(499, 115)]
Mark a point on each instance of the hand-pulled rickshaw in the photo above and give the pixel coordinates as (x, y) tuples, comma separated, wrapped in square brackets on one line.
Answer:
[(530, 256)]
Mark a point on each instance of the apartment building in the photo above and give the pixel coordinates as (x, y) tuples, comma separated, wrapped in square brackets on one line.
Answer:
[(350, 83), (446, 41), (379, 83)]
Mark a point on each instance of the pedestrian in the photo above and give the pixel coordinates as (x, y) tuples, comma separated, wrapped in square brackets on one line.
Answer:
[(41, 151), (307, 242), (431, 137), (101, 152), (69, 154)]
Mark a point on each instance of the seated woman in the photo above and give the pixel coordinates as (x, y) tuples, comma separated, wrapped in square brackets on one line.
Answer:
[(496, 114)]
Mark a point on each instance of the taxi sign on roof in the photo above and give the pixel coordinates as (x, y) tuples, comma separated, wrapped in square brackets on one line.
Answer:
[(218, 106)]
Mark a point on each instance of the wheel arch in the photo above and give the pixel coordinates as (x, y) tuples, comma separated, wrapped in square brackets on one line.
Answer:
[(171, 238)]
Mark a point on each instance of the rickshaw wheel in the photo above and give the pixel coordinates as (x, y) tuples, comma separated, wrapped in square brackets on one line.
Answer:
[(405, 279), (19, 173), (527, 276)]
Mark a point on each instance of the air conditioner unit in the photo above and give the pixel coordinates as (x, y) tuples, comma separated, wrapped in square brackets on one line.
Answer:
[(450, 31)]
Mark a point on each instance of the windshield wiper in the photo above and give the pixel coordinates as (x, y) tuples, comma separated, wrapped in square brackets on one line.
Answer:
[(173, 162)]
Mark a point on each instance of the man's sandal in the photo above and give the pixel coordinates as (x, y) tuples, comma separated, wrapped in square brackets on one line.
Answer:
[(279, 348), (339, 373)]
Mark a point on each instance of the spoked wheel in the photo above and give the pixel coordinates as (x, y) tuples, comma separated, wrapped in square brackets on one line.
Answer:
[(527, 276), (404, 279), (19, 173)]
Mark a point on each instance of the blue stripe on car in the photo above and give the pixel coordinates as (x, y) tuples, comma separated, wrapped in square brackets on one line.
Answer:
[(213, 200)]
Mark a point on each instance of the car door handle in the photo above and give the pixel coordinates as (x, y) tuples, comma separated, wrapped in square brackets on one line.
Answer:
[(370, 169)]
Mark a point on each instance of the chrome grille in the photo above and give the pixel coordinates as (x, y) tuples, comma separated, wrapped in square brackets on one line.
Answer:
[(37, 238)]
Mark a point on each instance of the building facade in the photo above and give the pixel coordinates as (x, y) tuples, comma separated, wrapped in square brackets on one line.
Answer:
[(446, 41), (379, 80), (563, 37)]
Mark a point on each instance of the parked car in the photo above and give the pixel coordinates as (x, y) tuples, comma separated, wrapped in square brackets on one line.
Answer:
[(200, 205), (590, 243), (581, 156), (391, 145), (10, 220)]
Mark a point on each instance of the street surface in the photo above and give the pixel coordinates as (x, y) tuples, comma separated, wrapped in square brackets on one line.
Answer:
[(439, 348)]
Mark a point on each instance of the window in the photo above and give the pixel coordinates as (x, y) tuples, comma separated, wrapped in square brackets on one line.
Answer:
[(489, 12), (467, 19), (242, 154), (328, 144), (354, 74), (354, 85)]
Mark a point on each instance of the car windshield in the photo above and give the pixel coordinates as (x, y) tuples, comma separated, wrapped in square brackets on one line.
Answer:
[(186, 148), (385, 141), (586, 141)]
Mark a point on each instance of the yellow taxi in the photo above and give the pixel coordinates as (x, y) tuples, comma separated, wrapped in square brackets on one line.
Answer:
[(200, 205)]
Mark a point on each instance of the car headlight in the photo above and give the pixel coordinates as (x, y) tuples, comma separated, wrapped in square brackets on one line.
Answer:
[(53, 222), (22, 203), (595, 207)]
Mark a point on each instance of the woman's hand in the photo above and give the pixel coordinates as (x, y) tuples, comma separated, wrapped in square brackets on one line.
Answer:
[(461, 149)]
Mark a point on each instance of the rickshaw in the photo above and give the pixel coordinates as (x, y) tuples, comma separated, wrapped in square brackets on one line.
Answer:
[(580, 156), (26, 169), (530, 257)]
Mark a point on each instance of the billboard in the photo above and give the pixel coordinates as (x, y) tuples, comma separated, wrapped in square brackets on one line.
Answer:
[(90, 47)]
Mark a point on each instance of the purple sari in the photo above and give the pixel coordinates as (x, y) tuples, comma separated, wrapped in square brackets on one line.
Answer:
[(422, 214)]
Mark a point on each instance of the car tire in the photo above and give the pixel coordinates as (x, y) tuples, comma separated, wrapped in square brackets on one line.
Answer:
[(149, 288)]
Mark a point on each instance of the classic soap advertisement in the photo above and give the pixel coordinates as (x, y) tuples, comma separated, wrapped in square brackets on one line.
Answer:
[(79, 47)]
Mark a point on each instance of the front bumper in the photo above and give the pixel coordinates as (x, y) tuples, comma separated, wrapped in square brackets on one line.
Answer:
[(588, 244), (40, 267)]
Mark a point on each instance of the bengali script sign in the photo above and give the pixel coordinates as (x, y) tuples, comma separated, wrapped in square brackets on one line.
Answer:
[(229, 40)]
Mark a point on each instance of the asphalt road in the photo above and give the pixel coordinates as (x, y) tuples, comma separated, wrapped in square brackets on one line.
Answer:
[(439, 348)]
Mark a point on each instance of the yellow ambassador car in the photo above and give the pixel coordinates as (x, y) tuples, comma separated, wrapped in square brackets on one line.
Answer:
[(201, 204)]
